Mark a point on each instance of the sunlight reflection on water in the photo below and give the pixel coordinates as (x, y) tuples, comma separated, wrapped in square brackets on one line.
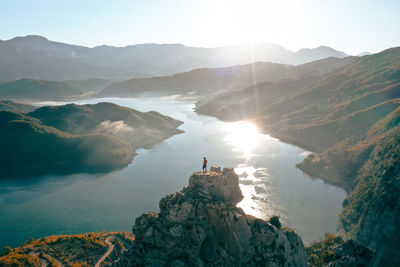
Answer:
[(244, 137)]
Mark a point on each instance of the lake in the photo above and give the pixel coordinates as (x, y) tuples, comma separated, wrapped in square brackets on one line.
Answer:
[(79, 203)]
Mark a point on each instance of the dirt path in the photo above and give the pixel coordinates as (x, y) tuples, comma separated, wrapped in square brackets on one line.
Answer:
[(109, 250), (43, 261)]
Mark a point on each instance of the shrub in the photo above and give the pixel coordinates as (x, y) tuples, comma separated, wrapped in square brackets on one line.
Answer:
[(6, 251), (274, 220), (328, 256)]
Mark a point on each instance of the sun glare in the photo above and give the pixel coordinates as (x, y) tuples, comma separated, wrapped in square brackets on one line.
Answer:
[(257, 21), (243, 137)]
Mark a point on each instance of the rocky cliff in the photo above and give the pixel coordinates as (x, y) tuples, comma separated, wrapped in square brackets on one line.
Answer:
[(371, 213), (201, 226)]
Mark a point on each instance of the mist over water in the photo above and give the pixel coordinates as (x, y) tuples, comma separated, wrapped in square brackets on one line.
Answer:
[(271, 183)]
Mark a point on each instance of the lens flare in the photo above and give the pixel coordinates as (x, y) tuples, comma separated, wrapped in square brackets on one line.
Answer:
[(243, 137)]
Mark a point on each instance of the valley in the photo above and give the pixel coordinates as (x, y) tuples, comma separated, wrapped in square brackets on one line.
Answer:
[(119, 142)]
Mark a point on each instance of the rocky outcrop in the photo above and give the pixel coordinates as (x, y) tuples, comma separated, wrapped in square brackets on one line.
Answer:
[(352, 253), (201, 226), (335, 252)]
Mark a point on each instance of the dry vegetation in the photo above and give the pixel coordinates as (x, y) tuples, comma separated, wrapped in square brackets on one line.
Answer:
[(68, 250)]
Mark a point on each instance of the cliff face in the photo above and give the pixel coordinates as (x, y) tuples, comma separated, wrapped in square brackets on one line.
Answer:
[(371, 213), (201, 226)]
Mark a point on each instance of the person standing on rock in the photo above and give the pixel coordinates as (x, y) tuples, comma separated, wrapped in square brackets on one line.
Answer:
[(205, 164)]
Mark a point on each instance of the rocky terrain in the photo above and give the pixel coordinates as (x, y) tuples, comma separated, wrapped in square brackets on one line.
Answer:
[(333, 251), (201, 226)]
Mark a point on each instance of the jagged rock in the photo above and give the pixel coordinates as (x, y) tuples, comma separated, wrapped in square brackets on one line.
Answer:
[(215, 169), (201, 226), (352, 254)]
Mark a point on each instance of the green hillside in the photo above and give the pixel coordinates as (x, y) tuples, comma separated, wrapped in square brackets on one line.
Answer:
[(8, 105), (72, 138), (38, 90)]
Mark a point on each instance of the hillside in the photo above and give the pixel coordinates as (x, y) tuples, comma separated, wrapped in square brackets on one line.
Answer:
[(371, 213), (350, 118), (90, 85), (212, 81), (38, 90), (8, 105), (318, 112), (36, 57), (72, 138), (68, 250)]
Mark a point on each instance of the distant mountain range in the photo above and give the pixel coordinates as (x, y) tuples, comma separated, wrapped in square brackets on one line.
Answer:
[(31, 89), (210, 81), (38, 90), (36, 57)]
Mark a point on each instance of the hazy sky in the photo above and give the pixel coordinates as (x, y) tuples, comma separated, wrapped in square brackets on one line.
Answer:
[(353, 26)]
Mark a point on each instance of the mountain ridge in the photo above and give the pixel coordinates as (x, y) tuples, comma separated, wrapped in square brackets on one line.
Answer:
[(207, 81), (61, 61)]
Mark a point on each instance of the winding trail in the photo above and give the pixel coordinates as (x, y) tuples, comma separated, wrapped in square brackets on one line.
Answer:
[(43, 261), (109, 250)]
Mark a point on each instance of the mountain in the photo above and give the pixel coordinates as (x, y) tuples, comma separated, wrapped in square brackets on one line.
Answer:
[(217, 80), (91, 85), (72, 138), (36, 57), (38, 90), (349, 117), (364, 54), (307, 55), (320, 111), (8, 105), (201, 226)]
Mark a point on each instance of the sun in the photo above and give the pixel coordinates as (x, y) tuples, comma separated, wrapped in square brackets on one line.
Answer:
[(243, 137)]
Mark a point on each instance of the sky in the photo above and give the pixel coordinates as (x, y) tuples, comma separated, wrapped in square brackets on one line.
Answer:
[(352, 26)]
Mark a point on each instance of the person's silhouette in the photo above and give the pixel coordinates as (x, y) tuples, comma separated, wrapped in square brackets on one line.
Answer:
[(204, 164)]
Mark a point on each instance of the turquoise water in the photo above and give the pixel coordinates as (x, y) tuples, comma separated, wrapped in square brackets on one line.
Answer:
[(80, 203)]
